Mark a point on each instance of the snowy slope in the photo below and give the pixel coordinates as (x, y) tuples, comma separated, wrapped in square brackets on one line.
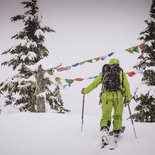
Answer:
[(58, 134)]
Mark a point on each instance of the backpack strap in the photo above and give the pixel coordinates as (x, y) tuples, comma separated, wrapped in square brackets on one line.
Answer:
[(122, 82)]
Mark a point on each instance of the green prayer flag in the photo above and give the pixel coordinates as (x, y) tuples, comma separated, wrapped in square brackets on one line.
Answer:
[(90, 60), (50, 71), (69, 81), (135, 49)]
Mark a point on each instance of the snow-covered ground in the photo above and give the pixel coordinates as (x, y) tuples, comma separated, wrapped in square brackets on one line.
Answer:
[(59, 134)]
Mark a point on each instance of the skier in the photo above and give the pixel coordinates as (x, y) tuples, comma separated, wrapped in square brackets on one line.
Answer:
[(111, 96)]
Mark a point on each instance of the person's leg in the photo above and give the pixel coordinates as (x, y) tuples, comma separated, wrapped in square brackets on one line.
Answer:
[(106, 114), (106, 121), (118, 112)]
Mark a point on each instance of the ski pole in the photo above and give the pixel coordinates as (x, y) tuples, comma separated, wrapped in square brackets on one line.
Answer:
[(82, 117), (132, 121)]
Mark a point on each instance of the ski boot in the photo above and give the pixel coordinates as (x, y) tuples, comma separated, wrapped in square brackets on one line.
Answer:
[(105, 136), (117, 134)]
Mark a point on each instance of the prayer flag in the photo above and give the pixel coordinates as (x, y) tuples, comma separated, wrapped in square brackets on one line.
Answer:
[(135, 49), (78, 79), (129, 50), (131, 73)]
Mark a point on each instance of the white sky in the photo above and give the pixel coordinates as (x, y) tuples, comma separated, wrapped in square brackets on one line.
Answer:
[(84, 29)]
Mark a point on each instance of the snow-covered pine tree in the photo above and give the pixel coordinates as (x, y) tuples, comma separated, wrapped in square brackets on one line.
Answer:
[(145, 96), (28, 89)]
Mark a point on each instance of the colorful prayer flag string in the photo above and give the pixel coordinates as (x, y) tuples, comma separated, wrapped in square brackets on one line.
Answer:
[(133, 49), (79, 79), (60, 69), (136, 49)]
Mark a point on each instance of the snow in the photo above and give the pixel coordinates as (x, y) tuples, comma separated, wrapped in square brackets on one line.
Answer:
[(39, 32), (144, 89), (10, 109), (28, 17), (57, 134)]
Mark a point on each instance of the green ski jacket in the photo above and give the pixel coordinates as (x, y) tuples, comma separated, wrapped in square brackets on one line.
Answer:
[(125, 87)]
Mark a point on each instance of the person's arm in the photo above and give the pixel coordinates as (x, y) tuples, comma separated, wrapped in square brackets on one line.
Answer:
[(127, 91), (93, 85)]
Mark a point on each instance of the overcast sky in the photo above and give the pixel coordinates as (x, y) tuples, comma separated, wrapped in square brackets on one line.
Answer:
[(84, 29)]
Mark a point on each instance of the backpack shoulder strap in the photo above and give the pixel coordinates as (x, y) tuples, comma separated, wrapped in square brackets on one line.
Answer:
[(122, 82)]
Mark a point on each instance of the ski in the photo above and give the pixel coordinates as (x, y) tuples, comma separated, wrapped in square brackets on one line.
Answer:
[(112, 141), (115, 140), (104, 145), (105, 138)]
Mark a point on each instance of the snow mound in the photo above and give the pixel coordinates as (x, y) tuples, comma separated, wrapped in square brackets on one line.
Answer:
[(10, 109)]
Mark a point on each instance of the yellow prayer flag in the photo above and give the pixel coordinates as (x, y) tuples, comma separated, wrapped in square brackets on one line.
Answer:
[(129, 50)]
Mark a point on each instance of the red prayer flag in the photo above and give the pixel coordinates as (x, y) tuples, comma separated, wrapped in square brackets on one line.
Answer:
[(131, 73), (97, 59), (142, 46), (60, 69), (78, 79)]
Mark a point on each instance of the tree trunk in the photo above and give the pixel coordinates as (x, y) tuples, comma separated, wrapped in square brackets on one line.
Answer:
[(41, 90)]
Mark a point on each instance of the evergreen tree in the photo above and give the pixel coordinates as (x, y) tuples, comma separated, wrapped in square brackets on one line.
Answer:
[(28, 89), (146, 100)]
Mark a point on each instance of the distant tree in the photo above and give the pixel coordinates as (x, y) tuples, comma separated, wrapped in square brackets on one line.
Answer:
[(146, 99), (28, 89)]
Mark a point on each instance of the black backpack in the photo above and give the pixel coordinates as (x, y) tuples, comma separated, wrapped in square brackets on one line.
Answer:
[(111, 77)]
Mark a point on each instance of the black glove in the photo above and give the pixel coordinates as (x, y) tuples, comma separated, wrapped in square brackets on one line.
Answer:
[(126, 102), (82, 91)]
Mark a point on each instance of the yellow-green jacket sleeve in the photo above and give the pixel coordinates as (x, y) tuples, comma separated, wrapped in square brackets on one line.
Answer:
[(127, 91), (94, 84)]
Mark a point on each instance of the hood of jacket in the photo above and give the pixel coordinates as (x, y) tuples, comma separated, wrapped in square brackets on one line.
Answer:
[(114, 61)]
